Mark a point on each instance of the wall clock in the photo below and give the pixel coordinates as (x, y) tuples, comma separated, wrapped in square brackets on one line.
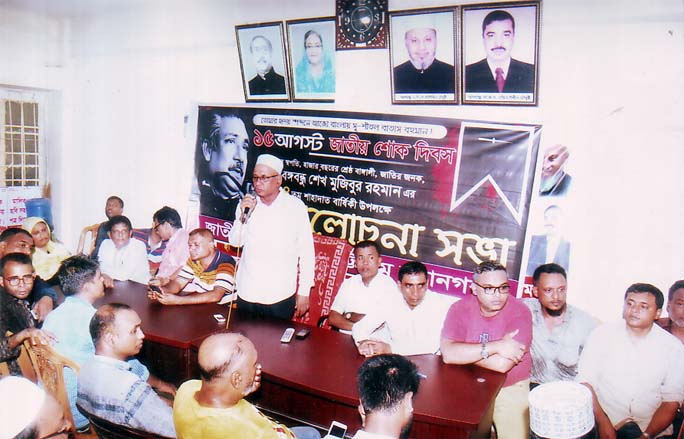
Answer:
[(361, 24)]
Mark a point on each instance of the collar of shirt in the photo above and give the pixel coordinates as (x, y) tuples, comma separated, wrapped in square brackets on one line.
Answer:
[(122, 365)]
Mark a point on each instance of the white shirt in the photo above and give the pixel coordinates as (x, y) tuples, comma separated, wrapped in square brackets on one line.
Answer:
[(275, 239), (365, 435), (126, 263), (631, 377), (411, 331), (355, 296)]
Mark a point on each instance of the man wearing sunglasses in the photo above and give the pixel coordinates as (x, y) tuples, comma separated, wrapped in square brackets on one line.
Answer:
[(494, 331)]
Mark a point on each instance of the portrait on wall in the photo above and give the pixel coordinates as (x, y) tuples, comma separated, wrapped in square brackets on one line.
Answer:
[(263, 62), (312, 59), (423, 56), (223, 161), (500, 47), (548, 242)]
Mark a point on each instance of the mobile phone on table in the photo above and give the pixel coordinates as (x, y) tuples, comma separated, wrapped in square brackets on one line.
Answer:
[(287, 335), (336, 431)]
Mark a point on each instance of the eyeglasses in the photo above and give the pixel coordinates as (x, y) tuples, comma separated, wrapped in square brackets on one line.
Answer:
[(156, 227), (263, 178), (502, 289), (14, 281)]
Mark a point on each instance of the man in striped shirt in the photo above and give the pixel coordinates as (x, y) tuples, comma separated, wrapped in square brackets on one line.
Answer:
[(206, 277)]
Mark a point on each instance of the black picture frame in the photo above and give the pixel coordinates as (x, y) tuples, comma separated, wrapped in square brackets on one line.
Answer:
[(481, 53), (274, 86)]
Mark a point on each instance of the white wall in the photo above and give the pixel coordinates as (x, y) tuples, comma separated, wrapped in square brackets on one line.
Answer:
[(610, 88)]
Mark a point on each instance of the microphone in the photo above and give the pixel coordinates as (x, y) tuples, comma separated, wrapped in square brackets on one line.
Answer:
[(247, 212)]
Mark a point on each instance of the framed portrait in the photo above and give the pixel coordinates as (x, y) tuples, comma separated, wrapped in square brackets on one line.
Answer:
[(500, 48), (263, 62), (311, 47), (423, 56)]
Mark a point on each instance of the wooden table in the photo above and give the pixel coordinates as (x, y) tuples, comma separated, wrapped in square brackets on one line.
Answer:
[(311, 380)]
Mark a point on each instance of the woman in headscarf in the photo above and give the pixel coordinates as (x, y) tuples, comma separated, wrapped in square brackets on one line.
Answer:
[(315, 72), (47, 254)]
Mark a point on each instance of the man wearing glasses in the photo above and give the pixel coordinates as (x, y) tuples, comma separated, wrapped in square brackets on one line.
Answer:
[(168, 225), (276, 270), (560, 330), (494, 331)]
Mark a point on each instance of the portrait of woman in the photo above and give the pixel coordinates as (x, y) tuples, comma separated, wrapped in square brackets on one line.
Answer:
[(312, 48)]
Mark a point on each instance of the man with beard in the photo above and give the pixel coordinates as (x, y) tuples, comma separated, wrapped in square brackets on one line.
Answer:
[(423, 73), (559, 330), (494, 331), (222, 173), (266, 81), (387, 384)]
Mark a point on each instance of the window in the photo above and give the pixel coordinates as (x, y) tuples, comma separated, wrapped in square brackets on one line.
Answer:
[(21, 139)]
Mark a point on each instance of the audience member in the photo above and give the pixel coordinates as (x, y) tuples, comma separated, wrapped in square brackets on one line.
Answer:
[(634, 370), (126, 397), (413, 320), (122, 258), (167, 223), (494, 331), (363, 292), (154, 246), (42, 297), (47, 254), (559, 330), (28, 412), (387, 385), (208, 273), (113, 207), (674, 322), (287, 257), (16, 279), (215, 406)]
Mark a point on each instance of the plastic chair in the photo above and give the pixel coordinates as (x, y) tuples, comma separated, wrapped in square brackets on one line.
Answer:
[(49, 367), (84, 236), (108, 430)]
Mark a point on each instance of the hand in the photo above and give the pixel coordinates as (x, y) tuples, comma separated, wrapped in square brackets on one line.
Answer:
[(42, 307), (108, 281), (158, 281), (257, 378), (302, 306), (510, 348), (355, 317), (36, 336), (168, 299), (248, 200), (369, 348)]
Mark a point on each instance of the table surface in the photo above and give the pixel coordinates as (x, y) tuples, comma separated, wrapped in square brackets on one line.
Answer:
[(324, 363)]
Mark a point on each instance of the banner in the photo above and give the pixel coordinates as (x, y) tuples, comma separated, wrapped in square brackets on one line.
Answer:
[(450, 193)]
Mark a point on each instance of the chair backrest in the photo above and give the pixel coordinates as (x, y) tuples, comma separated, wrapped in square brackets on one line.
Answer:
[(108, 430), (332, 257), (49, 366), (82, 248)]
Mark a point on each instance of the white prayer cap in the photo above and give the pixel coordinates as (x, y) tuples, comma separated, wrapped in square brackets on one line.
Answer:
[(20, 403), (271, 161), (561, 410)]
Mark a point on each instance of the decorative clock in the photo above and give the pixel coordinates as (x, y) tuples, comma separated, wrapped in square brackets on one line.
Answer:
[(361, 24)]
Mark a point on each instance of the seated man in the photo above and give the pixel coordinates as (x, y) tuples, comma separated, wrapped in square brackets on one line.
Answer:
[(208, 273), (674, 322), (413, 320), (387, 384), (42, 297), (125, 397), (494, 331), (559, 330), (363, 292), (122, 258), (29, 412), (113, 207), (634, 369), (168, 225), (16, 279), (154, 246), (215, 406)]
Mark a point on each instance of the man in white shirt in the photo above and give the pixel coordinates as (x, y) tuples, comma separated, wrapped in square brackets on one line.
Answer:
[(634, 369), (122, 258), (363, 292), (276, 270), (413, 320), (387, 384)]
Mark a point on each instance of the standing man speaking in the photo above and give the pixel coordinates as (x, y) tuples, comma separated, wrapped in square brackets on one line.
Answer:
[(276, 271)]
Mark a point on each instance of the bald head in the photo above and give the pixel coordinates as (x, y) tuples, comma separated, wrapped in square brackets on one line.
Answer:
[(221, 354)]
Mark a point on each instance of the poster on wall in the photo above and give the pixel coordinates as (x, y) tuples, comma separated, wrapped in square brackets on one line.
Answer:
[(450, 193)]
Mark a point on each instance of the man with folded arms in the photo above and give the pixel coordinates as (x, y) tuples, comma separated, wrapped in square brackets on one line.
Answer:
[(205, 278), (122, 258), (215, 406), (494, 331), (634, 370), (273, 230)]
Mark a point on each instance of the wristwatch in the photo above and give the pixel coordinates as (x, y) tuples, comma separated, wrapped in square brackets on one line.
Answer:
[(484, 352), (348, 315)]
